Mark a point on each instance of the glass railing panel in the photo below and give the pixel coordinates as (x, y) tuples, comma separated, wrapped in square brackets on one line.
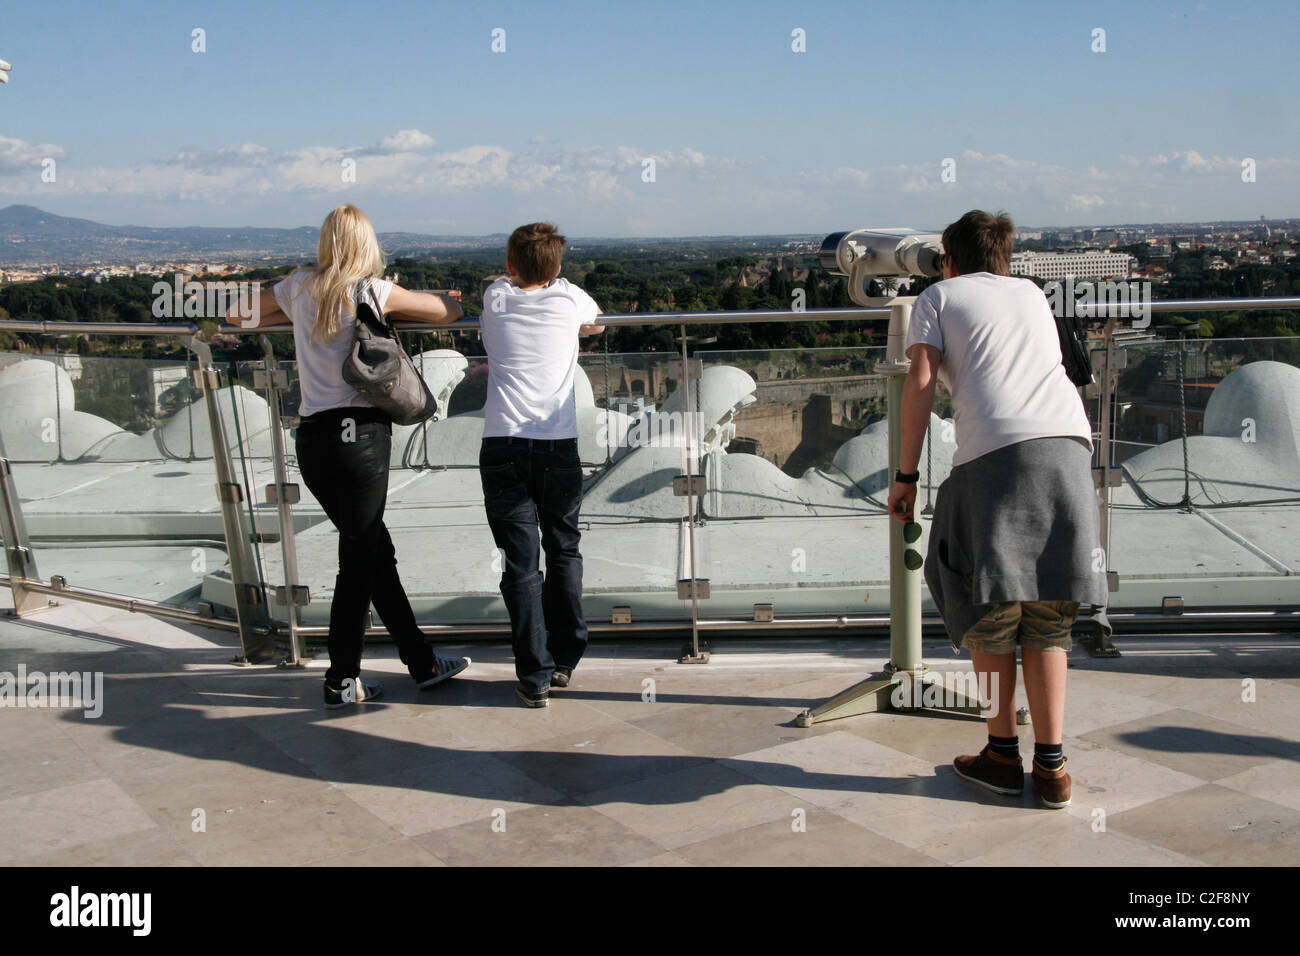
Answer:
[(1206, 431), (112, 465), (434, 512), (634, 438), (797, 479), (114, 469), (250, 433), (797, 473)]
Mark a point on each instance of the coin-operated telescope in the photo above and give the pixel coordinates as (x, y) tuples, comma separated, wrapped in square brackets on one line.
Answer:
[(887, 255), (883, 254)]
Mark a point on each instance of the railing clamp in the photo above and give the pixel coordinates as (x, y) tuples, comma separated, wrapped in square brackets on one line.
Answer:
[(298, 592), (684, 485), (271, 378), (1112, 478), (701, 589), (288, 492), (694, 368), (230, 491)]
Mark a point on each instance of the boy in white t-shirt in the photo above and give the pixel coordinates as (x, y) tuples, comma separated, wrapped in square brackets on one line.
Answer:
[(1014, 538), (529, 463)]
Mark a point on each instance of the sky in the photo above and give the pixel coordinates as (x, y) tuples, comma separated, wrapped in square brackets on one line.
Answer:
[(654, 119)]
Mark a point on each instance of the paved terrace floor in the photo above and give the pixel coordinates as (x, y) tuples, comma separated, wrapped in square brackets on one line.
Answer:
[(711, 771)]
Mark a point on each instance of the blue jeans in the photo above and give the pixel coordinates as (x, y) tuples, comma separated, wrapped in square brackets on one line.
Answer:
[(527, 483)]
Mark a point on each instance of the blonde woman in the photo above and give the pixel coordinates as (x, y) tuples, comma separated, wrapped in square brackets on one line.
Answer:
[(343, 446)]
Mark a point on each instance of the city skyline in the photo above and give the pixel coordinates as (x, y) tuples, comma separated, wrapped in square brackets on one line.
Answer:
[(647, 122)]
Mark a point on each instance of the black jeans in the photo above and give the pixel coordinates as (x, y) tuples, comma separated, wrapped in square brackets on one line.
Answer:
[(343, 458), (528, 482)]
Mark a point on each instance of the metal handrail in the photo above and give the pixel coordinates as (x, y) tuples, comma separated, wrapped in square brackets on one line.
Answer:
[(1100, 310)]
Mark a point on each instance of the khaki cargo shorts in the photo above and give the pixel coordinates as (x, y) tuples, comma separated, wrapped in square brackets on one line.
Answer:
[(1038, 625)]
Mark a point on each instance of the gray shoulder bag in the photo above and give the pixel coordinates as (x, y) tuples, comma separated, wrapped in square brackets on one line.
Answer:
[(378, 367)]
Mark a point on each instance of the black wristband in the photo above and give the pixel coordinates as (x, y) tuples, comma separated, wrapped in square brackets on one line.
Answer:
[(911, 479)]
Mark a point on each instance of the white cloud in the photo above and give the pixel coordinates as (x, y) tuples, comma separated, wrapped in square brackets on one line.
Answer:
[(244, 154), (17, 155), (599, 189), (403, 141), (1084, 203)]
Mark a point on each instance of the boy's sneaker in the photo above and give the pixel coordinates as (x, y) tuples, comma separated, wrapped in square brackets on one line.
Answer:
[(561, 676), (353, 691), (443, 668), (532, 698), (992, 771), (1052, 787)]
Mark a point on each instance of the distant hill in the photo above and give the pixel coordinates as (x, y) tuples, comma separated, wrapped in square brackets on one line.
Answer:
[(32, 237)]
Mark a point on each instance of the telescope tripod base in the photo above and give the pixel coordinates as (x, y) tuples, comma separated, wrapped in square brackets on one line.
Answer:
[(898, 691)]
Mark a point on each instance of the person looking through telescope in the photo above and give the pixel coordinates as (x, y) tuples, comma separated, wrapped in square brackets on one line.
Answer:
[(1013, 547)]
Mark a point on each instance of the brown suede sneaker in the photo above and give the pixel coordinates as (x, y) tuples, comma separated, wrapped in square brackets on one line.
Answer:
[(1052, 787), (992, 771)]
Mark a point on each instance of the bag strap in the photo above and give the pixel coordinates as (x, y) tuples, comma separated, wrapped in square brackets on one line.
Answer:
[(363, 293)]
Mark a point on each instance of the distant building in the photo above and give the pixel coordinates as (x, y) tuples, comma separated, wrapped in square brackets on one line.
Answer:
[(1080, 265)]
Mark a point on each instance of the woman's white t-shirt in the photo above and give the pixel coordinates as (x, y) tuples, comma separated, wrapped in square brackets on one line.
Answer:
[(1001, 362), (320, 362)]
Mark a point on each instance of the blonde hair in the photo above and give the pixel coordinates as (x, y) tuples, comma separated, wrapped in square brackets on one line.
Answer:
[(347, 252)]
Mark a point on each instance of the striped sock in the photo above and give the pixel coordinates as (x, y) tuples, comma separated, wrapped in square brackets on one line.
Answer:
[(1005, 746), (1049, 756)]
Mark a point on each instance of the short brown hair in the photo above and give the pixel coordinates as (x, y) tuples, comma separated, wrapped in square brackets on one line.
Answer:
[(978, 242), (534, 252)]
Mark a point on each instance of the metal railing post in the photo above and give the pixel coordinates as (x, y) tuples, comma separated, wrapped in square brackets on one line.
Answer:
[(20, 561), (1109, 378), (690, 486), (250, 600), (284, 495)]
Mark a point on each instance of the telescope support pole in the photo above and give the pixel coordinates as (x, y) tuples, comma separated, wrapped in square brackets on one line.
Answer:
[(905, 684)]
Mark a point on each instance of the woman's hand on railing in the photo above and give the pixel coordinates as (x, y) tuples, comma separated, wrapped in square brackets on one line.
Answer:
[(261, 309), (437, 308)]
